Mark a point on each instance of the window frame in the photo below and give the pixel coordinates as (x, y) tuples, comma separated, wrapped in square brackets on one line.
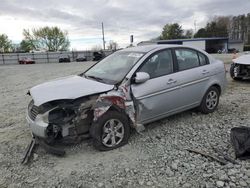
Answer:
[(191, 49), (206, 58), (154, 53)]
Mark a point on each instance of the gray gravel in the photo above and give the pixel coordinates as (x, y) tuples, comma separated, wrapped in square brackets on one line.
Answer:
[(155, 158)]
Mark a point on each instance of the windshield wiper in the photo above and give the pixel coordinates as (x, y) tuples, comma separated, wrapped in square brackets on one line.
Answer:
[(94, 77)]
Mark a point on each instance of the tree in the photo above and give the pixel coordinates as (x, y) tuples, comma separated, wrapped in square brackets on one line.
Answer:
[(188, 34), (201, 33), (48, 38), (172, 31), (217, 27), (26, 46), (5, 43), (112, 45)]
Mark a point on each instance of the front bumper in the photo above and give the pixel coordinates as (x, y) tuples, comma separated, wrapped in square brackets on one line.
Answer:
[(38, 126)]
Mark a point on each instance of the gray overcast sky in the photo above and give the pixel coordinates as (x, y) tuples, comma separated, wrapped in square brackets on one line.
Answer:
[(82, 19)]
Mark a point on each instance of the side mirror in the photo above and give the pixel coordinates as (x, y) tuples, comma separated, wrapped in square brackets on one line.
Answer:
[(141, 77)]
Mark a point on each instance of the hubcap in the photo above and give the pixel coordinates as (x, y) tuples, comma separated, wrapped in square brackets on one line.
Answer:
[(212, 100), (113, 133)]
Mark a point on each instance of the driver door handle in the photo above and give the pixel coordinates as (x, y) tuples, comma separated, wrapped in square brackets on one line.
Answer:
[(171, 81)]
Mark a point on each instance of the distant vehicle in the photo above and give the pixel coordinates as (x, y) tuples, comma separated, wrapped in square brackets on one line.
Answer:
[(26, 60), (126, 90), (64, 58), (98, 56), (240, 68), (232, 50), (81, 58)]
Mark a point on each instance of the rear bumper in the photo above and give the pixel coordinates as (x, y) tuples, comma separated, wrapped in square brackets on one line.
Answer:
[(38, 127)]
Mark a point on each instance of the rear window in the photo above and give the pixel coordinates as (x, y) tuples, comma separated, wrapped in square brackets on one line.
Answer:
[(203, 59), (186, 59)]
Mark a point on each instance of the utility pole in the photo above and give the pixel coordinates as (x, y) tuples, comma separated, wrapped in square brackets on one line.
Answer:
[(103, 39), (194, 26)]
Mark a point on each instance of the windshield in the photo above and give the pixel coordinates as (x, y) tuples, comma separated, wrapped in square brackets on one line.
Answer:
[(113, 68)]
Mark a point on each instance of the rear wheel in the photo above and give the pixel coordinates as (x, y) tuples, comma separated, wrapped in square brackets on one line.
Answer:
[(210, 100), (110, 131)]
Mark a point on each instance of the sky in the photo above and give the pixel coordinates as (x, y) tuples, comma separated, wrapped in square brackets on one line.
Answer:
[(82, 19)]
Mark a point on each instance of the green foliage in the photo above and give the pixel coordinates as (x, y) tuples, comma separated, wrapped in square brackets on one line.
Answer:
[(171, 31), (5, 44), (48, 38), (218, 27), (26, 46), (188, 34), (201, 33)]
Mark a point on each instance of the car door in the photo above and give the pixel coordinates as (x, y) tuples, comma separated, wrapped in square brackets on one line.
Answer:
[(159, 95), (195, 74)]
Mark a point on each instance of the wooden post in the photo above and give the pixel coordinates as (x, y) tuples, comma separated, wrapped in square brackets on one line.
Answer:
[(3, 59), (17, 57), (47, 57)]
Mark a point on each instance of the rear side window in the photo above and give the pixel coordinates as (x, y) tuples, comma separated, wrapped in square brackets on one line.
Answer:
[(186, 59), (159, 64), (203, 59)]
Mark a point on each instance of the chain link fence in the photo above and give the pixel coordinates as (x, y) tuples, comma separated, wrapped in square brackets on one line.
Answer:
[(45, 57)]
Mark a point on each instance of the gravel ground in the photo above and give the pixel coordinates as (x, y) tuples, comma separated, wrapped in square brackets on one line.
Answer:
[(155, 158)]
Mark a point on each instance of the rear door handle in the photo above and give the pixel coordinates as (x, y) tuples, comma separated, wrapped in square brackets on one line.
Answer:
[(171, 81), (205, 72)]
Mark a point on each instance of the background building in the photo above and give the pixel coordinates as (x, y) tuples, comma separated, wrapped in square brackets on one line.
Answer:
[(210, 45)]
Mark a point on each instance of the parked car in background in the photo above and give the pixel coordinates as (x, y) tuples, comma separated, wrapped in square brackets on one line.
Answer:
[(232, 50), (126, 90), (26, 60), (81, 58), (98, 56), (240, 68), (64, 58)]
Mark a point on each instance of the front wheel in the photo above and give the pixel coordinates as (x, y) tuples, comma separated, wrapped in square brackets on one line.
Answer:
[(210, 100), (110, 131)]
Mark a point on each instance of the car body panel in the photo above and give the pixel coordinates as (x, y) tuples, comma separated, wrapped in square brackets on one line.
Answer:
[(155, 97), (71, 87), (243, 60)]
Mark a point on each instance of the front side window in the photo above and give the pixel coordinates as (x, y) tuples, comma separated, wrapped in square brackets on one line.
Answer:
[(113, 68), (186, 59), (159, 64)]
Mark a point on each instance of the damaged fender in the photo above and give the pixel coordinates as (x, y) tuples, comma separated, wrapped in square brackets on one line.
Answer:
[(119, 99)]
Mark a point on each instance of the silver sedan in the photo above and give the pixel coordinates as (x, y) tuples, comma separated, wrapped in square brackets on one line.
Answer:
[(128, 89)]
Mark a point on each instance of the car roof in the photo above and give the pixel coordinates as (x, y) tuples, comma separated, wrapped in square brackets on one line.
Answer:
[(148, 48)]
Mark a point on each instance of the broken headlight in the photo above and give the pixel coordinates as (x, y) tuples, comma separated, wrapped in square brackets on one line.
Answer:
[(60, 115)]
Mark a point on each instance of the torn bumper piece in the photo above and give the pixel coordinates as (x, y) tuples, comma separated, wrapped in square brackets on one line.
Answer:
[(35, 142)]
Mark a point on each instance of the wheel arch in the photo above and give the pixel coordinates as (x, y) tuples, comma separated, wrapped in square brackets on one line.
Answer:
[(217, 86)]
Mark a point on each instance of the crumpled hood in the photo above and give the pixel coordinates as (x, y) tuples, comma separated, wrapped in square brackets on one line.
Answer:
[(244, 60), (71, 87)]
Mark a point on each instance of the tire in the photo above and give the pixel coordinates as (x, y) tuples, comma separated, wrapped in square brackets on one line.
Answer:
[(104, 134), (232, 73), (210, 101)]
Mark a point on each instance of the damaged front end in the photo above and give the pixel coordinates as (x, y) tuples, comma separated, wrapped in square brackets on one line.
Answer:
[(59, 119), (240, 71), (70, 120)]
